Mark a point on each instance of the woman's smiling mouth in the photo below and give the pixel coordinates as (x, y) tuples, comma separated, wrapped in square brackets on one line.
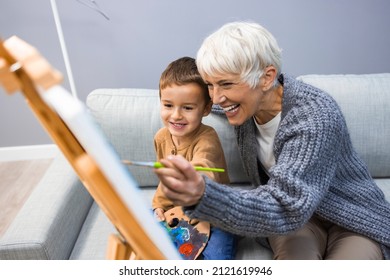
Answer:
[(231, 108)]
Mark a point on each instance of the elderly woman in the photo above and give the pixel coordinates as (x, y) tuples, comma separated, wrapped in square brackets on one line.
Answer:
[(314, 197)]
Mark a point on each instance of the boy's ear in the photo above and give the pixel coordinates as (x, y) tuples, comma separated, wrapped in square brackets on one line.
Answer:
[(207, 108)]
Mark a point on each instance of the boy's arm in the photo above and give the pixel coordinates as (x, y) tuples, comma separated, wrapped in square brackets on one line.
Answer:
[(159, 199)]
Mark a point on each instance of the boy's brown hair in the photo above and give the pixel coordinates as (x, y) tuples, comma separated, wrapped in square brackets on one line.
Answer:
[(181, 72)]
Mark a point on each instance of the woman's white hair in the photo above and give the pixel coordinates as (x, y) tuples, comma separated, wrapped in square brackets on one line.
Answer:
[(240, 48)]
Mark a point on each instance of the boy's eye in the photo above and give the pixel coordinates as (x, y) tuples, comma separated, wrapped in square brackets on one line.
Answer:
[(167, 105), (188, 108)]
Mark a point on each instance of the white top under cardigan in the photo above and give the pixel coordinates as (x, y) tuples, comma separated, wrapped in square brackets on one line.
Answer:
[(265, 136)]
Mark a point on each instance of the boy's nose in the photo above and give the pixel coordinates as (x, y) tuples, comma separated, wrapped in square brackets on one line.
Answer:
[(176, 114)]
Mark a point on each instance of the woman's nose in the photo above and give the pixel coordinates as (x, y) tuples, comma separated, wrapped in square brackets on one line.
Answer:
[(216, 95)]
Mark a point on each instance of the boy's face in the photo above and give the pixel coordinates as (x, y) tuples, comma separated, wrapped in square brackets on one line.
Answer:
[(182, 108)]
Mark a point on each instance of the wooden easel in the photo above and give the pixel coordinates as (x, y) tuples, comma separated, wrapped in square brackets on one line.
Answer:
[(23, 69)]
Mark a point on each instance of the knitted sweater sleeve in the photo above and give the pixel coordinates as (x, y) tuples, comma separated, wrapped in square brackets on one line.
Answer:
[(306, 151)]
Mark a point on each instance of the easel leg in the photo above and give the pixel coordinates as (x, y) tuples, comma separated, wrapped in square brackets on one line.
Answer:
[(118, 249)]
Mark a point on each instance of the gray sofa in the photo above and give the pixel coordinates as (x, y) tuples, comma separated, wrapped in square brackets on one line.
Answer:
[(61, 221)]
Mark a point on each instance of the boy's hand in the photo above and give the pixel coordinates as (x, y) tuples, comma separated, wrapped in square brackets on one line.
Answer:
[(159, 214)]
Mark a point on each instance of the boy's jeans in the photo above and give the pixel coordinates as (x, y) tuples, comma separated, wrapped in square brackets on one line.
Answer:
[(221, 245)]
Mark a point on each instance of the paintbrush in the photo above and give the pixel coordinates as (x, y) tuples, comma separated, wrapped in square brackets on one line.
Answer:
[(156, 164)]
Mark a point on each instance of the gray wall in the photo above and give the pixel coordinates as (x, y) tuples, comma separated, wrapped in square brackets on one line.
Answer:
[(143, 36)]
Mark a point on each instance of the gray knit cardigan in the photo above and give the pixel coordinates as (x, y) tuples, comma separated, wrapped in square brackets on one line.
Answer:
[(317, 171)]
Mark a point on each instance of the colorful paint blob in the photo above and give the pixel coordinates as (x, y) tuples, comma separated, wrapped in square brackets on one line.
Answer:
[(187, 239)]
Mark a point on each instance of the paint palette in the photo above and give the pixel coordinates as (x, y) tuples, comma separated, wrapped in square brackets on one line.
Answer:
[(189, 236)]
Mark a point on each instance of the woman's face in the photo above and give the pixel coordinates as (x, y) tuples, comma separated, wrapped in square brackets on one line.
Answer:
[(239, 101)]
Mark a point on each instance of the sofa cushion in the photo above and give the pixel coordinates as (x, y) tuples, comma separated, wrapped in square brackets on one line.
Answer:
[(92, 242), (129, 118), (132, 138), (365, 103), (384, 185)]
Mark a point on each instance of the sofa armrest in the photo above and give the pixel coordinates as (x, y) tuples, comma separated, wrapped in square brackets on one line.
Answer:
[(49, 223)]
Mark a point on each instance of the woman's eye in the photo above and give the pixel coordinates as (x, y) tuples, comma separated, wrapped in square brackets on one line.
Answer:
[(227, 85)]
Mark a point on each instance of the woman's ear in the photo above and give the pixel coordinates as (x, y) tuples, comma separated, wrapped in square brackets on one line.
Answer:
[(207, 108), (268, 78)]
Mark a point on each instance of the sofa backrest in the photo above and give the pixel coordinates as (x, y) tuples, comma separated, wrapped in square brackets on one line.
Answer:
[(130, 118), (365, 103)]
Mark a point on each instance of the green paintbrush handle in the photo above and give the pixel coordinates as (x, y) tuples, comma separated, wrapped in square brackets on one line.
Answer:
[(198, 168)]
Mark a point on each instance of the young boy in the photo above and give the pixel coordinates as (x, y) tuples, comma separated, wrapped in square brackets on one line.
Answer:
[(185, 100)]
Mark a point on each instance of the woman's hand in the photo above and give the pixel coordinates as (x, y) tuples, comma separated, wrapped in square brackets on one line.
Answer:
[(181, 183)]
